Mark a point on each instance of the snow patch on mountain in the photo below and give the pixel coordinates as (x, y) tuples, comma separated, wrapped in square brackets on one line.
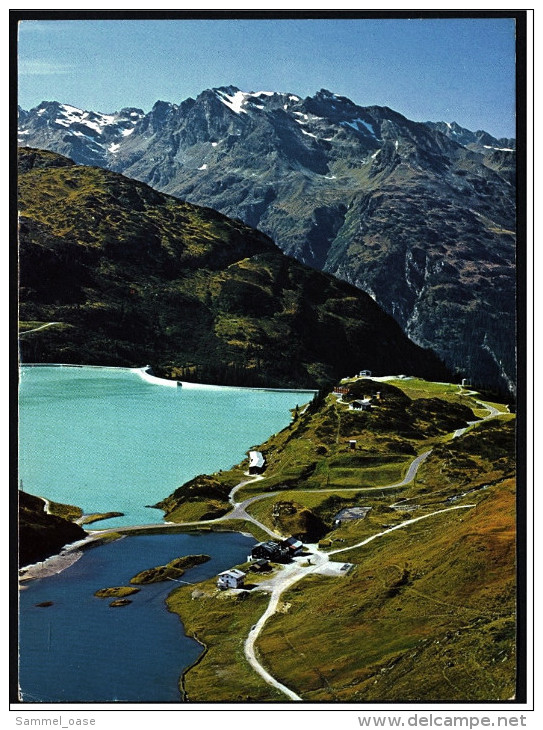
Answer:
[(72, 115), (366, 127), (499, 149), (233, 102)]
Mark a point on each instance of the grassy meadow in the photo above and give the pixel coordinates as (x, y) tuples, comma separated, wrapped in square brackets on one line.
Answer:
[(428, 612)]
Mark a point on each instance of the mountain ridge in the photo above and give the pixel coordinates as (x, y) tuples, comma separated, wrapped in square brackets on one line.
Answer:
[(420, 215), (130, 275)]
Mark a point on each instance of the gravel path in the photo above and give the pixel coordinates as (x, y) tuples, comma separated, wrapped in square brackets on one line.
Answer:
[(37, 329)]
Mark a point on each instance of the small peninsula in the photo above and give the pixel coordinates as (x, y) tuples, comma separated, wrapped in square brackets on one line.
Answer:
[(174, 569)]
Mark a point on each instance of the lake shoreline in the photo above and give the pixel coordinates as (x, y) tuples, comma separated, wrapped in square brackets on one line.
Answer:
[(72, 552), (55, 564), (62, 662), (145, 373), (31, 577)]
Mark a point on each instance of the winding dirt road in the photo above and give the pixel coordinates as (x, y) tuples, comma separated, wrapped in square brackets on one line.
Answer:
[(320, 564)]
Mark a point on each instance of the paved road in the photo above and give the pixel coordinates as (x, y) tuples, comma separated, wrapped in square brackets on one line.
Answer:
[(492, 413), (399, 527), (239, 512)]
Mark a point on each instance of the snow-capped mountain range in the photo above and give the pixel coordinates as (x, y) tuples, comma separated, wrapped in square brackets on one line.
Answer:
[(420, 215), (99, 137)]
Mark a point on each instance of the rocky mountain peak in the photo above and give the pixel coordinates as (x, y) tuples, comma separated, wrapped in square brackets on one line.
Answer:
[(478, 141), (326, 95)]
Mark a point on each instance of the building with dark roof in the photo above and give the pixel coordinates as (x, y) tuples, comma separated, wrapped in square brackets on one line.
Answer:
[(270, 550), (293, 545)]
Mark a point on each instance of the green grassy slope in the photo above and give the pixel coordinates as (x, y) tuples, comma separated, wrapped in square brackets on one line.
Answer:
[(313, 453), (428, 612), (133, 276)]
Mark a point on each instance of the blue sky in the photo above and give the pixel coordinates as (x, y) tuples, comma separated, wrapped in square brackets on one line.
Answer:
[(431, 69)]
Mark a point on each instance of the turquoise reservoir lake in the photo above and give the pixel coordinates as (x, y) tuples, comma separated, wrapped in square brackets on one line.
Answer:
[(110, 440)]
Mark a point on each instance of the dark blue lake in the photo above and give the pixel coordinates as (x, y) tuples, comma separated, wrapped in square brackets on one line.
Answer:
[(81, 650)]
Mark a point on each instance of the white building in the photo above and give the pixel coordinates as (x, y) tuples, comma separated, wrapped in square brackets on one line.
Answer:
[(232, 578), (257, 463), (360, 405)]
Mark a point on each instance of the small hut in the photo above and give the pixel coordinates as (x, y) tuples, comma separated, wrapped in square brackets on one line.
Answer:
[(257, 462)]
